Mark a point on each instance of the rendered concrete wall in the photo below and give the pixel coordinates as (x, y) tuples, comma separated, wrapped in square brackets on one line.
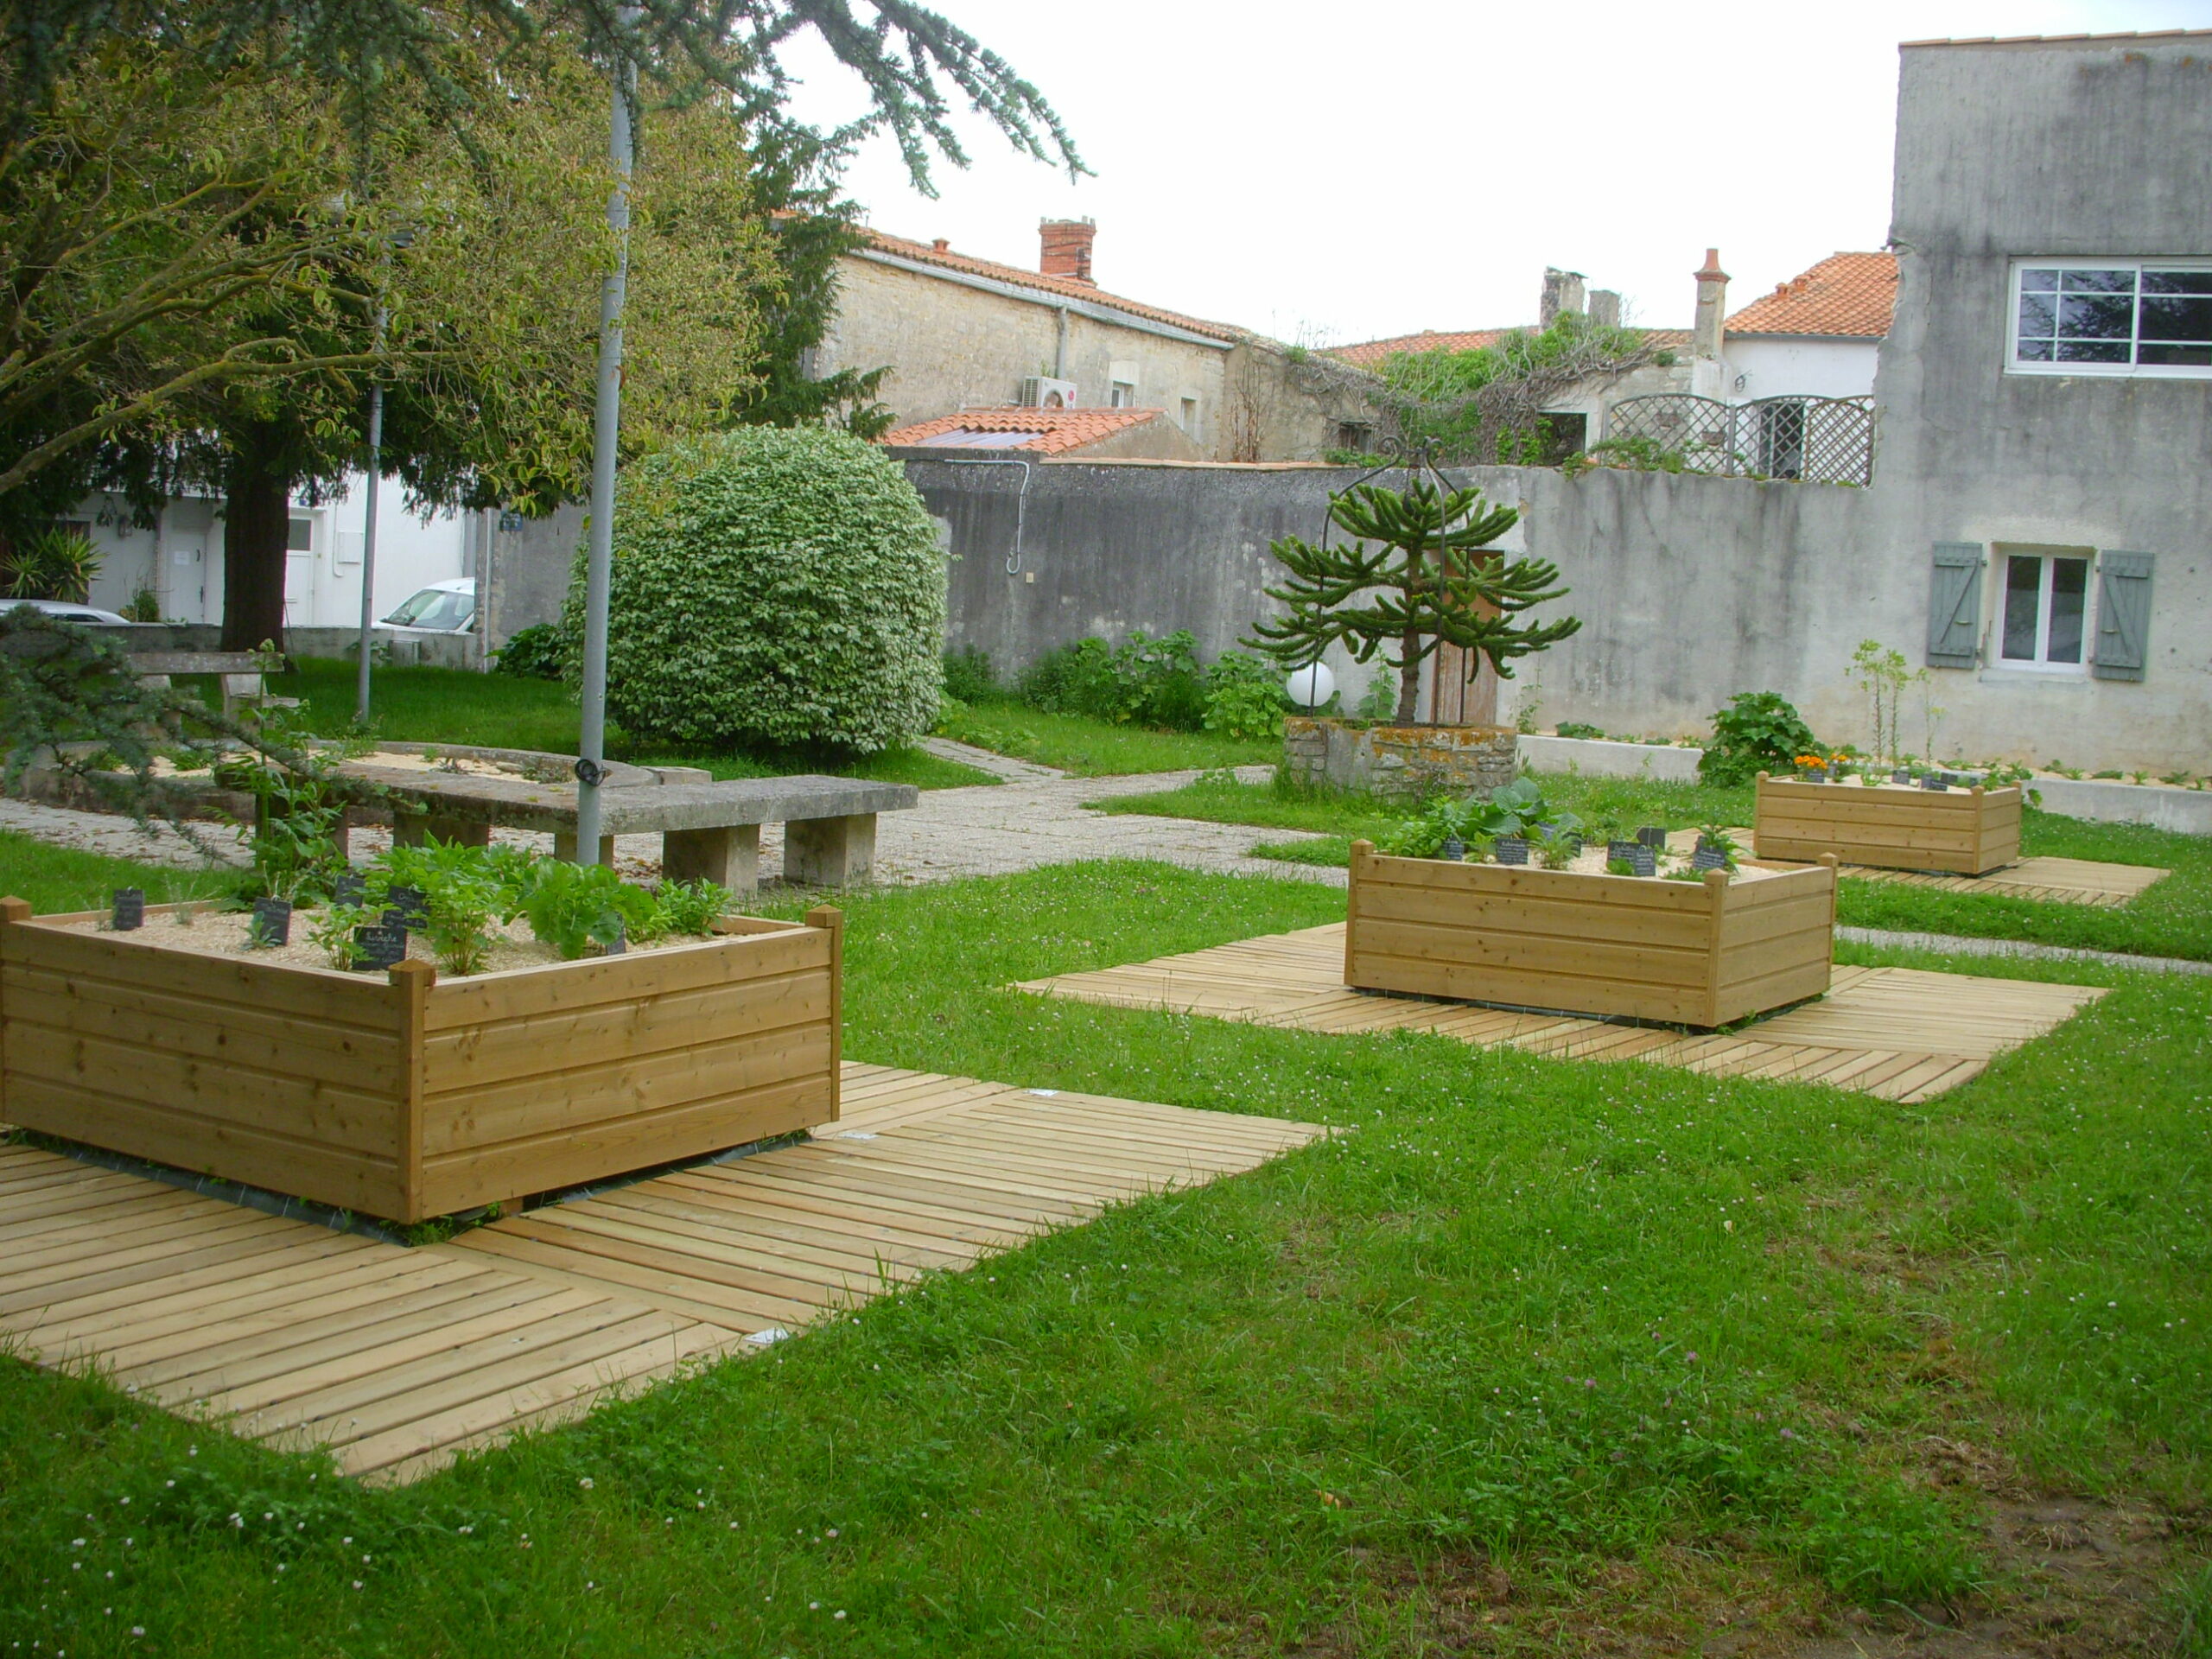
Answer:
[(1689, 590), (1777, 366), (2084, 148)]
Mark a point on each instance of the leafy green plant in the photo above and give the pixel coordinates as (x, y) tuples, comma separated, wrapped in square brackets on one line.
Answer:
[(1716, 837), (1758, 731), (688, 907), (970, 677), (1245, 698), (1381, 698), (574, 906), (331, 930), (536, 652), (462, 891), (297, 816), (54, 564), (1577, 728), (774, 586), (144, 605)]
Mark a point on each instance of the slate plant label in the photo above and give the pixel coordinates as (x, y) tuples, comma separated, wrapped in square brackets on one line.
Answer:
[(1931, 781), (1654, 836), (130, 909), (1708, 858), (348, 889), (410, 906), (618, 943), (379, 947), (1644, 860), (1511, 849), (1623, 850), (1901, 775), (1453, 848), (272, 924)]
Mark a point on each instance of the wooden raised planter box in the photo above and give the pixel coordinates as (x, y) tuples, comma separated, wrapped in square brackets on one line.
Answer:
[(1621, 946), (404, 1096), (1890, 826)]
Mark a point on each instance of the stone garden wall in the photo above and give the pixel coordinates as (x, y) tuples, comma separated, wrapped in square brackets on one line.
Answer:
[(1399, 761)]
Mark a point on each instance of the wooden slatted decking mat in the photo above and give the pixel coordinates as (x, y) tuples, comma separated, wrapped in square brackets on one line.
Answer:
[(2051, 880), (1896, 1033), (2054, 881), (398, 1359)]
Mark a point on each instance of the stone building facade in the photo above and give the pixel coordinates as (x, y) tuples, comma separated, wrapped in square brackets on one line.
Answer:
[(961, 332)]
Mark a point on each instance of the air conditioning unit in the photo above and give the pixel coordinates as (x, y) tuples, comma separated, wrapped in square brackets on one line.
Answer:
[(1042, 391)]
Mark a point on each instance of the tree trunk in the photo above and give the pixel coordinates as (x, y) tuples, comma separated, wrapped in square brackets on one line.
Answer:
[(257, 523), (1409, 680)]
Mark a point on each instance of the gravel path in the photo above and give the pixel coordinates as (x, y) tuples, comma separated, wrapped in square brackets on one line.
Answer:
[(1035, 818)]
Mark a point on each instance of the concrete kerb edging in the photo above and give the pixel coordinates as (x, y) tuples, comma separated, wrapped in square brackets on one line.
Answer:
[(2183, 812), (1597, 757)]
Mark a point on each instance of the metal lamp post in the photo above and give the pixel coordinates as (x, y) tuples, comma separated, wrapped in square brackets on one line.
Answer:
[(369, 535), (607, 425)]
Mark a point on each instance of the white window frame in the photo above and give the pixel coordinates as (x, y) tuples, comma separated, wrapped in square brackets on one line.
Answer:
[(2002, 555), (2015, 364)]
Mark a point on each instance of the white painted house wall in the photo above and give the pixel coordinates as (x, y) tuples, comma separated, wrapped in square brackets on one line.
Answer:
[(1798, 366), (181, 558)]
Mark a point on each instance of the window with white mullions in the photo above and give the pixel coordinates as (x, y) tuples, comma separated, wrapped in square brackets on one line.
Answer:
[(2113, 317), (2046, 610)]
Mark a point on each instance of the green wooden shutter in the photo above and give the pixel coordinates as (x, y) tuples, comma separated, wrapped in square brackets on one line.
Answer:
[(2123, 616), (1955, 605)]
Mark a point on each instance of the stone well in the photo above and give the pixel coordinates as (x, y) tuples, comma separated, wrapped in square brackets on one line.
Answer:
[(1398, 762)]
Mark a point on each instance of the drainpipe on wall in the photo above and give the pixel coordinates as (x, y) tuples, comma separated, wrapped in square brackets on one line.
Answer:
[(1061, 351), (1707, 333)]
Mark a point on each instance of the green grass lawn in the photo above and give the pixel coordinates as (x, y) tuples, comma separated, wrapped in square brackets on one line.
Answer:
[(1097, 748), (2174, 918), (1539, 1351), (444, 705), (55, 878)]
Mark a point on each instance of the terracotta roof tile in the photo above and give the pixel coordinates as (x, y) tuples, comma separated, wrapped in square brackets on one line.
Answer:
[(1846, 295), (1370, 353), (1065, 287), (1056, 430)]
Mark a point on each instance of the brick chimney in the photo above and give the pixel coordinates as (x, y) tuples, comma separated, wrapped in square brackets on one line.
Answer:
[(1065, 248), (1562, 292), (1605, 308), (1707, 332)]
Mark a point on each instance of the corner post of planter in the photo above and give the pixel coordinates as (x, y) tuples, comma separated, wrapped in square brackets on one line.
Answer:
[(1716, 899), (12, 909), (1830, 862), (1361, 852), (411, 985), (831, 920)]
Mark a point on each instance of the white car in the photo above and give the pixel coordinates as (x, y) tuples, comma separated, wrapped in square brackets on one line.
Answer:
[(70, 611), (442, 607)]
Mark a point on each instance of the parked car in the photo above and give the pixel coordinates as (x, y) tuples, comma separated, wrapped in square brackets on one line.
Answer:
[(442, 607), (69, 611)]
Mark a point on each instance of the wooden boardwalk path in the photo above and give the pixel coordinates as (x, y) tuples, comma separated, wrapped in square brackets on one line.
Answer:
[(397, 1359), (1896, 1032)]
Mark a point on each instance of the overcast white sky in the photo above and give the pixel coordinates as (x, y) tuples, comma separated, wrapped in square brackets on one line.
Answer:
[(1344, 171)]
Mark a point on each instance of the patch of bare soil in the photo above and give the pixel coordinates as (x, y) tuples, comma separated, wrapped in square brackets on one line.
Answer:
[(2070, 1580)]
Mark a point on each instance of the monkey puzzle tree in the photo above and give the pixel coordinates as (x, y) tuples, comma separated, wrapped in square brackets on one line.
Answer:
[(1419, 573)]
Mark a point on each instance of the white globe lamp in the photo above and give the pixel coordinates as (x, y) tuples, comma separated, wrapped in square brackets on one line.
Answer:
[(1312, 686)]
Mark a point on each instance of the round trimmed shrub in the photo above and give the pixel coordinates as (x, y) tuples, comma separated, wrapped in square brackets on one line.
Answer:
[(772, 586)]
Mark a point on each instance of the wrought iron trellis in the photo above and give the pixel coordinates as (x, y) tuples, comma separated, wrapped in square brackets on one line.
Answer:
[(1807, 440)]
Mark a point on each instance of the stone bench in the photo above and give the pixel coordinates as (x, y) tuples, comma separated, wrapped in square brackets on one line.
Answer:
[(239, 671), (709, 831)]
